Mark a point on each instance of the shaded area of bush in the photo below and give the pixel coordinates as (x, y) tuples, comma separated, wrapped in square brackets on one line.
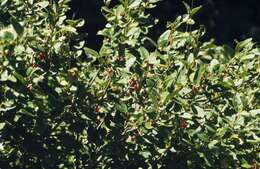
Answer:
[(225, 20)]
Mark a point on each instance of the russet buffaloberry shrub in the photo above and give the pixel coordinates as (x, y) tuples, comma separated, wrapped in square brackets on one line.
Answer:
[(43, 84), (175, 102)]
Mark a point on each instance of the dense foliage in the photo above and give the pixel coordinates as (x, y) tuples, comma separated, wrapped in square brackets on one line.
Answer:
[(225, 20), (176, 102)]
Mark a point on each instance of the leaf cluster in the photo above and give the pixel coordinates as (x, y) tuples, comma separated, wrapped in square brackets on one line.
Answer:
[(174, 102)]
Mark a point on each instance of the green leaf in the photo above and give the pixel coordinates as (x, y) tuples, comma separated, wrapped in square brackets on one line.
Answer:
[(199, 111), (143, 52), (135, 4), (145, 154), (240, 45), (182, 76), (203, 137), (213, 64), (134, 31), (195, 10), (30, 71), (122, 107), (164, 39), (4, 76), (26, 113), (154, 96), (64, 82), (19, 49), (152, 59), (12, 78), (8, 34), (91, 52), (43, 4), (237, 102), (130, 62), (2, 125), (73, 88), (186, 6), (199, 74), (212, 144), (154, 1), (245, 164), (148, 125), (19, 77), (68, 29)]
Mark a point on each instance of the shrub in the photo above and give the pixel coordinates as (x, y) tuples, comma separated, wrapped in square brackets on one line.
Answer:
[(42, 86), (176, 102)]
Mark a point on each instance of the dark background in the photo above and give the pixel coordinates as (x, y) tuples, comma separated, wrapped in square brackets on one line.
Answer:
[(225, 20)]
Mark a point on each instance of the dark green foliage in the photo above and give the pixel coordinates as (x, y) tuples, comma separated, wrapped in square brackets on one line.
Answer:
[(176, 102)]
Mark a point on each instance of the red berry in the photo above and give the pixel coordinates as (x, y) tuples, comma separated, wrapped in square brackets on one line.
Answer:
[(41, 56), (182, 124), (132, 83), (97, 109), (136, 87)]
